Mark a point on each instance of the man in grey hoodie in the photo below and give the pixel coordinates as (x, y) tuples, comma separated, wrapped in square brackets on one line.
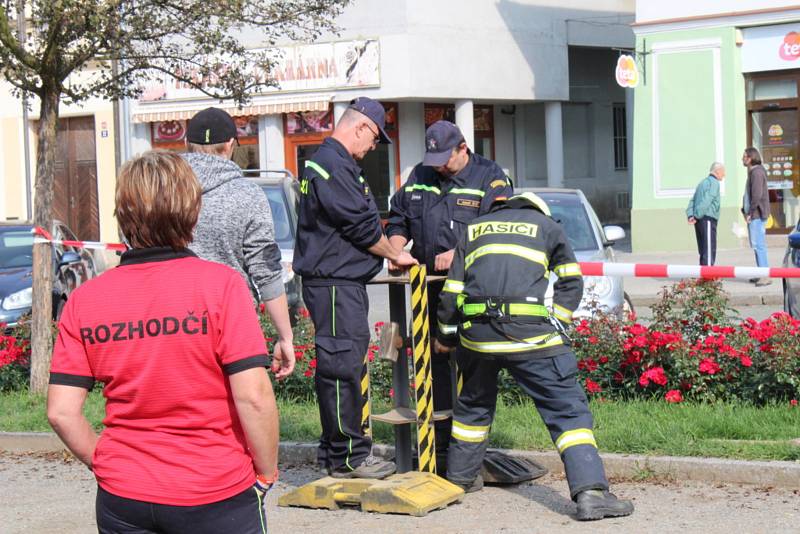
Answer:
[(235, 224)]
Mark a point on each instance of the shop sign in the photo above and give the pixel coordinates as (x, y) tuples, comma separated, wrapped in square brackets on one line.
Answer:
[(320, 66), (627, 74), (766, 48)]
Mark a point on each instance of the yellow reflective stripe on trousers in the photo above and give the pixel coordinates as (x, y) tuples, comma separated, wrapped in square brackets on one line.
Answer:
[(453, 286), (447, 329), (561, 313), (470, 433), (567, 269), (531, 343), (421, 187), (315, 166), (463, 191), (499, 248), (570, 438)]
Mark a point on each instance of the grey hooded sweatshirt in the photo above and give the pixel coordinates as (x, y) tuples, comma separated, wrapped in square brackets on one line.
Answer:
[(235, 225)]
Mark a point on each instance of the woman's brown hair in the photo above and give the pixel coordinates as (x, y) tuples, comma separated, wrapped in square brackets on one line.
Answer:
[(157, 200)]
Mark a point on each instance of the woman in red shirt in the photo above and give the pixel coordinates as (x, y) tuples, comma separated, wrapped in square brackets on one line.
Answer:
[(191, 427)]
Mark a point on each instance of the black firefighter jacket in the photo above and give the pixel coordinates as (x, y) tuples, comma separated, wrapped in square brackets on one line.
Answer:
[(493, 299)]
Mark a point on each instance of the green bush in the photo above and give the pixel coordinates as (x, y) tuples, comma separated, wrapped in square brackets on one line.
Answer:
[(15, 359)]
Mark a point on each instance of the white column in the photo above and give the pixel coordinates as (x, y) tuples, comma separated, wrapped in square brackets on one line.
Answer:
[(554, 141), (411, 121), (271, 141), (465, 120), (338, 111), (520, 140)]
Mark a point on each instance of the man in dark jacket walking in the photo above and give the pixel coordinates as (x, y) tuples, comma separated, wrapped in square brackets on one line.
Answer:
[(703, 213), (235, 224), (755, 207)]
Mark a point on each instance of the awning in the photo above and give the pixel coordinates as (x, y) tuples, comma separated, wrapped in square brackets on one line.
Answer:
[(261, 105)]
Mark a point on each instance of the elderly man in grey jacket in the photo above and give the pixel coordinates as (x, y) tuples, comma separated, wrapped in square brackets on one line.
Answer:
[(235, 224)]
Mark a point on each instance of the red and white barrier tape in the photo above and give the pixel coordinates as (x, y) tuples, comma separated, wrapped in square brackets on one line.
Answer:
[(649, 270), (43, 236)]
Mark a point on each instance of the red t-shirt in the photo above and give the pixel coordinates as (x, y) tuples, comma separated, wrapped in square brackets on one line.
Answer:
[(162, 331)]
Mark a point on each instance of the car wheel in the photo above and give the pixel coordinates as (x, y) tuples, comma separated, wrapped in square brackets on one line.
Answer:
[(627, 305)]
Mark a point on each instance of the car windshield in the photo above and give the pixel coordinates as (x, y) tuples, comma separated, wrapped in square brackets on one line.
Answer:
[(16, 248), (567, 209), (280, 216)]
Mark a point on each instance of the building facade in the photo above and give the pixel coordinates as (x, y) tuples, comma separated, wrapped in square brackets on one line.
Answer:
[(713, 82)]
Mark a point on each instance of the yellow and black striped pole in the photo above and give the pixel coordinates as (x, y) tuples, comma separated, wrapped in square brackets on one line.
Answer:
[(423, 383), (366, 421)]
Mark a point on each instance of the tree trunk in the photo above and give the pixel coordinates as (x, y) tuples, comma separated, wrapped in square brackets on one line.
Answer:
[(42, 307)]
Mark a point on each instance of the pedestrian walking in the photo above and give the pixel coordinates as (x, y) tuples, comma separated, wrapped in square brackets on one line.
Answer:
[(703, 213), (443, 194), (235, 226), (340, 246), (190, 443), (494, 298), (755, 208)]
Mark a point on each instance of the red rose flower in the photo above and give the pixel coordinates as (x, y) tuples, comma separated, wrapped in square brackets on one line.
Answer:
[(746, 361), (655, 375), (313, 363), (592, 386), (793, 402), (673, 396), (592, 339), (308, 373), (708, 366)]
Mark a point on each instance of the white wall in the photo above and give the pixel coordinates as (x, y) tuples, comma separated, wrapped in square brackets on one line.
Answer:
[(653, 10)]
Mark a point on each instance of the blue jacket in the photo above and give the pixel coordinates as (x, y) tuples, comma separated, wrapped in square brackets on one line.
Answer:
[(338, 220), (434, 211), (705, 202)]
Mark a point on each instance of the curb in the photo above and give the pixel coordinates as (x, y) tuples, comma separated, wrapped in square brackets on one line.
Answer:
[(779, 474)]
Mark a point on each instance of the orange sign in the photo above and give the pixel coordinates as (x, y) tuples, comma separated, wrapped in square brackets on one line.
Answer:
[(626, 73), (790, 47)]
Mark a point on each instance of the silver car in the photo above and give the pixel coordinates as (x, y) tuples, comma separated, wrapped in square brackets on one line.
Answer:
[(591, 242), (791, 286)]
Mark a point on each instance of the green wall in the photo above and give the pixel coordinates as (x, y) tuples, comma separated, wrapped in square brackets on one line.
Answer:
[(690, 99)]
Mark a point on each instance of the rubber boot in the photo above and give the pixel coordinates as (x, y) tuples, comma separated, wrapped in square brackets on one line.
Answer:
[(597, 504)]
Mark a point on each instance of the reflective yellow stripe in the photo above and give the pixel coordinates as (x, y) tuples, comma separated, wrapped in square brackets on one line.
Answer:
[(447, 329), (479, 308), (462, 191), (319, 170), (420, 187), (579, 436), (531, 343), (472, 434), (562, 314), (567, 269), (499, 248), (453, 286)]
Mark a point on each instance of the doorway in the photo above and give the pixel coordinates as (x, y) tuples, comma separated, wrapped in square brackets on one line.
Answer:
[(75, 184)]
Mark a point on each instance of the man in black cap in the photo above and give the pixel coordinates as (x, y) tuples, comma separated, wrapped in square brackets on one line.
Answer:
[(235, 224), (340, 245), (442, 195)]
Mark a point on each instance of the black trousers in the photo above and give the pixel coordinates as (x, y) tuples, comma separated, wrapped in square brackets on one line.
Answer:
[(242, 513), (441, 374), (558, 397), (705, 230), (339, 313)]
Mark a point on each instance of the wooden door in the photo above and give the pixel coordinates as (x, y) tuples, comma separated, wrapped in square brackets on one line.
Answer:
[(75, 193)]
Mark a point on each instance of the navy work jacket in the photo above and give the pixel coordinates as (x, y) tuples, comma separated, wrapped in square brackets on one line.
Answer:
[(338, 220), (434, 211)]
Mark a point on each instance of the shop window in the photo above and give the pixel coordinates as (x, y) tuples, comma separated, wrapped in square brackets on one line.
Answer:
[(304, 132), (771, 89), (620, 138), (483, 124), (169, 135)]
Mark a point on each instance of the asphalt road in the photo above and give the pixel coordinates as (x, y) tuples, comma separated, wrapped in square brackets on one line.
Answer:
[(47, 494)]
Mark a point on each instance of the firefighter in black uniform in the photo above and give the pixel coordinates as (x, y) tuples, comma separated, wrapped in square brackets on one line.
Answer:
[(340, 245), (442, 195), (494, 299)]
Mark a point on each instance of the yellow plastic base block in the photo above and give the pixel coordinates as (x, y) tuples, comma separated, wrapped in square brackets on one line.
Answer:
[(412, 493)]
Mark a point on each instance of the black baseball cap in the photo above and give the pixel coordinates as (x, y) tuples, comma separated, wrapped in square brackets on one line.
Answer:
[(211, 126), (441, 138), (374, 112)]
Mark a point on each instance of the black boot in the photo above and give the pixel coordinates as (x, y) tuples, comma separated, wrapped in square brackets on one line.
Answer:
[(471, 487), (597, 504)]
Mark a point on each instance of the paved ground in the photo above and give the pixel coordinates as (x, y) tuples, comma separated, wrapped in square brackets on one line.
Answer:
[(46, 494)]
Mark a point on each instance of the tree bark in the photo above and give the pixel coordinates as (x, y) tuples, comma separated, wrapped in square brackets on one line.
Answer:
[(42, 306)]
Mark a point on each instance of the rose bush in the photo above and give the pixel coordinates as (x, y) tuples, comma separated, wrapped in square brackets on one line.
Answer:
[(695, 349), (15, 359)]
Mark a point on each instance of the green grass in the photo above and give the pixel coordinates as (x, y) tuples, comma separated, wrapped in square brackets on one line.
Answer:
[(636, 427)]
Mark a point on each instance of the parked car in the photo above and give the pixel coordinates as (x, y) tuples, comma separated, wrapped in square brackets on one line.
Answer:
[(283, 193), (591, 242), (71, 267), (791, 286)]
